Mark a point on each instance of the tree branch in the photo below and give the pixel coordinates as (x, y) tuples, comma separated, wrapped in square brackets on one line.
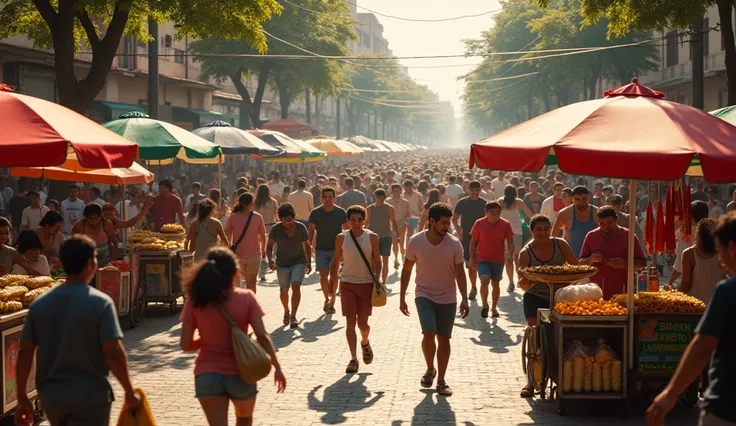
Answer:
[(115, 30), (47, 12), (89, 29)]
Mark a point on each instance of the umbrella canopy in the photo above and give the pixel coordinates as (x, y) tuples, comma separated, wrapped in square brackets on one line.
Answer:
[(38, 133), (363, 143), (391, 146), (286, 125), (234, 141), (632, 133), (161, 141), (294, 149), (72, 171), (335, 147)]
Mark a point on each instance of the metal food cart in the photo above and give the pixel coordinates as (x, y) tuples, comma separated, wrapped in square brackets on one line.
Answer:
[(11, 327), (159, 276), (118, 285)]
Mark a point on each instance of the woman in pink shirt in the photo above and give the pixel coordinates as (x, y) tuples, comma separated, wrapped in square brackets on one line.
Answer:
[(216, 376), (252, 247)]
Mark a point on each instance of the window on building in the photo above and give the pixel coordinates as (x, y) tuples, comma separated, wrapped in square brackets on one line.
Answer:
[(128, 59), (671, 49), (722, 98), (179, 56)]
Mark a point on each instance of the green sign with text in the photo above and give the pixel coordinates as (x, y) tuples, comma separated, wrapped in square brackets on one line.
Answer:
[(662, 343)]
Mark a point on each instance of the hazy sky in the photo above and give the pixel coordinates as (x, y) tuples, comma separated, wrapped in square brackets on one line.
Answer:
[(435, 38)]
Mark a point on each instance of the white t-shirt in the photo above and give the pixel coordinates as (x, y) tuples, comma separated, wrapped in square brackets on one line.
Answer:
[(303, 203), (548, 209), (498, 187), (277, 189), (487, 195), (41, 266), (31, 218), (454, 191), (72, 212), (416, 203)]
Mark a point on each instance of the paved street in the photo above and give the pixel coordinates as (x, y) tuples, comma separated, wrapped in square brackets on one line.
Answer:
[(485, 372)]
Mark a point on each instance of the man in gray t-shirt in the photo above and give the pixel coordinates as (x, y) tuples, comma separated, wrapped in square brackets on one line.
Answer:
[(292, 251), (468, 210), (73, 329), (351, 197), (327, 221)]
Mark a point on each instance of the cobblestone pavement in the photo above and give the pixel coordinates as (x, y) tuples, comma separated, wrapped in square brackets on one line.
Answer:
[(485, 371)]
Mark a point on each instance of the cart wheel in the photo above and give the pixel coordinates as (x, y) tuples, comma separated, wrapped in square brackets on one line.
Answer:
[(524, 348), (137, 307), (544, 357), (691, 395), (38, 412), (173, 306), (559, 404), (623, 410)]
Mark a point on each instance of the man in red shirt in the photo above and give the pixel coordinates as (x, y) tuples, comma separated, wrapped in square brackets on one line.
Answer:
[(607, 249), (166, 206), (488, 253)]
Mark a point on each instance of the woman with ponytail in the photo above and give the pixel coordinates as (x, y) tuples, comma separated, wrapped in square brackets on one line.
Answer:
[(251, 248), (217, 382), (511, 209), (205, 231)]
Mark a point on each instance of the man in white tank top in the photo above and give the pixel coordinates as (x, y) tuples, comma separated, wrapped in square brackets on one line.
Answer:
[(356, 283)]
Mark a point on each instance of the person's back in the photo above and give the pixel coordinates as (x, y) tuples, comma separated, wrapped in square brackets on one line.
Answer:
[(707, 273), (303, 204), (351, 197), (380, 220)]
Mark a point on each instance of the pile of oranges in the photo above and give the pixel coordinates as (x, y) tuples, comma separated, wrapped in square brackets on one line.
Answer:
[(590, 307)]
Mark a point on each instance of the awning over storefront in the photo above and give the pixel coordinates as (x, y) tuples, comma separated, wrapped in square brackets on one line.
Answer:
[(102, 111), (197, 117)]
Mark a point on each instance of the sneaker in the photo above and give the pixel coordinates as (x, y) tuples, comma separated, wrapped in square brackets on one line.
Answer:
[(511, 287), (484, 312), (473, 293), (294, 323)]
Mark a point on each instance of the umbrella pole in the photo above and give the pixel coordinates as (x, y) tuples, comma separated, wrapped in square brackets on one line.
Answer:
[(125, 217), (630, 279), (219, 172)]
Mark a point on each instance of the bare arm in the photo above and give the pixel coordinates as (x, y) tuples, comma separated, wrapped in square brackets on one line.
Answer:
[(187, 342), (133, 221), (462, 284), (392, 220), (112, 237), (559, 223), (377, 262), (456, 223), (312, 231), (191, 237), (472, 248), (405, 276), (367, 223), (525, 209), (423, 219), (180, 212), (269, 250), (521, 264), (335, 266), (510, 242), (688, 263), (567, 253), (221, 233), (262, 236)]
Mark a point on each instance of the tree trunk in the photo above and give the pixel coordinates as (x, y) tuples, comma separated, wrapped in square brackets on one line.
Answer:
[(285, 102), (75, 93), (724, 14), (246, 105), (595, 72), (351, 117), (263, 75)]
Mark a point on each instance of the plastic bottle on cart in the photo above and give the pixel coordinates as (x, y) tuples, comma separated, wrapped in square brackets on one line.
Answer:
[(642, 281), (653, 279)]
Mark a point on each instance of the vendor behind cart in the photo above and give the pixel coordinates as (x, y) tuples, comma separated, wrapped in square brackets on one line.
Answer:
[(607, 249), (101, 231), (109, 212)]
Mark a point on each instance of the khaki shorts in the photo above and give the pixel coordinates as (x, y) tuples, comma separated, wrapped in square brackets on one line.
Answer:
[(250, 265)]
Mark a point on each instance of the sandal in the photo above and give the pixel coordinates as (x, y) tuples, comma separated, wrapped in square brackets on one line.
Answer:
[(326, 307), (495, 314), (367, 353), (293, 323), (352, 366), (428, 378), (527, 392), (443, 389), (287, 316)]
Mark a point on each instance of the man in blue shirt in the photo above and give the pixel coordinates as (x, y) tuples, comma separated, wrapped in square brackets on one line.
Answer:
[(73, 329), (715, 340)]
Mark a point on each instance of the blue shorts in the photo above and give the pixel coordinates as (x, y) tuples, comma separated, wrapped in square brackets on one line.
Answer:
[(436, 317), (289, 275), (414, 222), (233, 387), (384, 246), (323, 259), (491, 269)]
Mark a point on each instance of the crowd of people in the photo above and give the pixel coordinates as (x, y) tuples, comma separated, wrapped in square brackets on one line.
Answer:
[(445, 223)]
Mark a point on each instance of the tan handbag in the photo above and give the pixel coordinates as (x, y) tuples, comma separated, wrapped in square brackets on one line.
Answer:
[(253, 362), (378, 295)]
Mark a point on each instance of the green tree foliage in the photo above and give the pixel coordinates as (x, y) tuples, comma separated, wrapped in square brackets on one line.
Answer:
[(494, 99), (68, 26), (323, 27), (625, 16)]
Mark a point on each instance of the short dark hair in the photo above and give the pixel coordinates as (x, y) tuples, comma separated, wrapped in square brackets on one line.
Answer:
[(606, 211), (4, 222), (33, 194), (408, 183), (276, 174), (474, 185), (349, 182), (608, 188), (558, 184), (51, 218), (491, 205), (196, 185), (95, 190), (166, 184), (356, 210), (395, 186), (76, 252), (725, 230), (539, 218), (580, 190), (29, 240), (453, 179), (439, 210), (567, 191), (380, 192), (699, 210), (73, 186), (286, 210), (616, 200), (301, 184), (326, 189), (92, 209)]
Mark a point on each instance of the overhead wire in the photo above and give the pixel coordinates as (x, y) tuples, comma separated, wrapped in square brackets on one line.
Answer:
[(454, 18)]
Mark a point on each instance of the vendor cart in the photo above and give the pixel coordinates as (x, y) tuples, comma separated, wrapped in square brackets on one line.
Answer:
[(117, 285), (11, 327), (159, 275)]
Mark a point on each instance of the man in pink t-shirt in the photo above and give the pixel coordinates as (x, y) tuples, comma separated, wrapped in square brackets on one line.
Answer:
[(166, 207), (488, 254), (607, 248), (440, 265)]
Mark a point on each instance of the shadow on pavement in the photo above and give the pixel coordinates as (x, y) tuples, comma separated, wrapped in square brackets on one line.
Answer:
[(429, 411), (308, 331), (491, 335), (341, 397)]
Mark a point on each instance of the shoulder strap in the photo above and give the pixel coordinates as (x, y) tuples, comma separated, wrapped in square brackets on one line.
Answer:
[(227, 317), (360, 250), (242, 234)]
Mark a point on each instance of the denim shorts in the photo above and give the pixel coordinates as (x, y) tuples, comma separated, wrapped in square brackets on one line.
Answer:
[(233, 387), (384, 246), (323, 259), (436, 317), (491, 269), (289, 275), (414, 222)]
